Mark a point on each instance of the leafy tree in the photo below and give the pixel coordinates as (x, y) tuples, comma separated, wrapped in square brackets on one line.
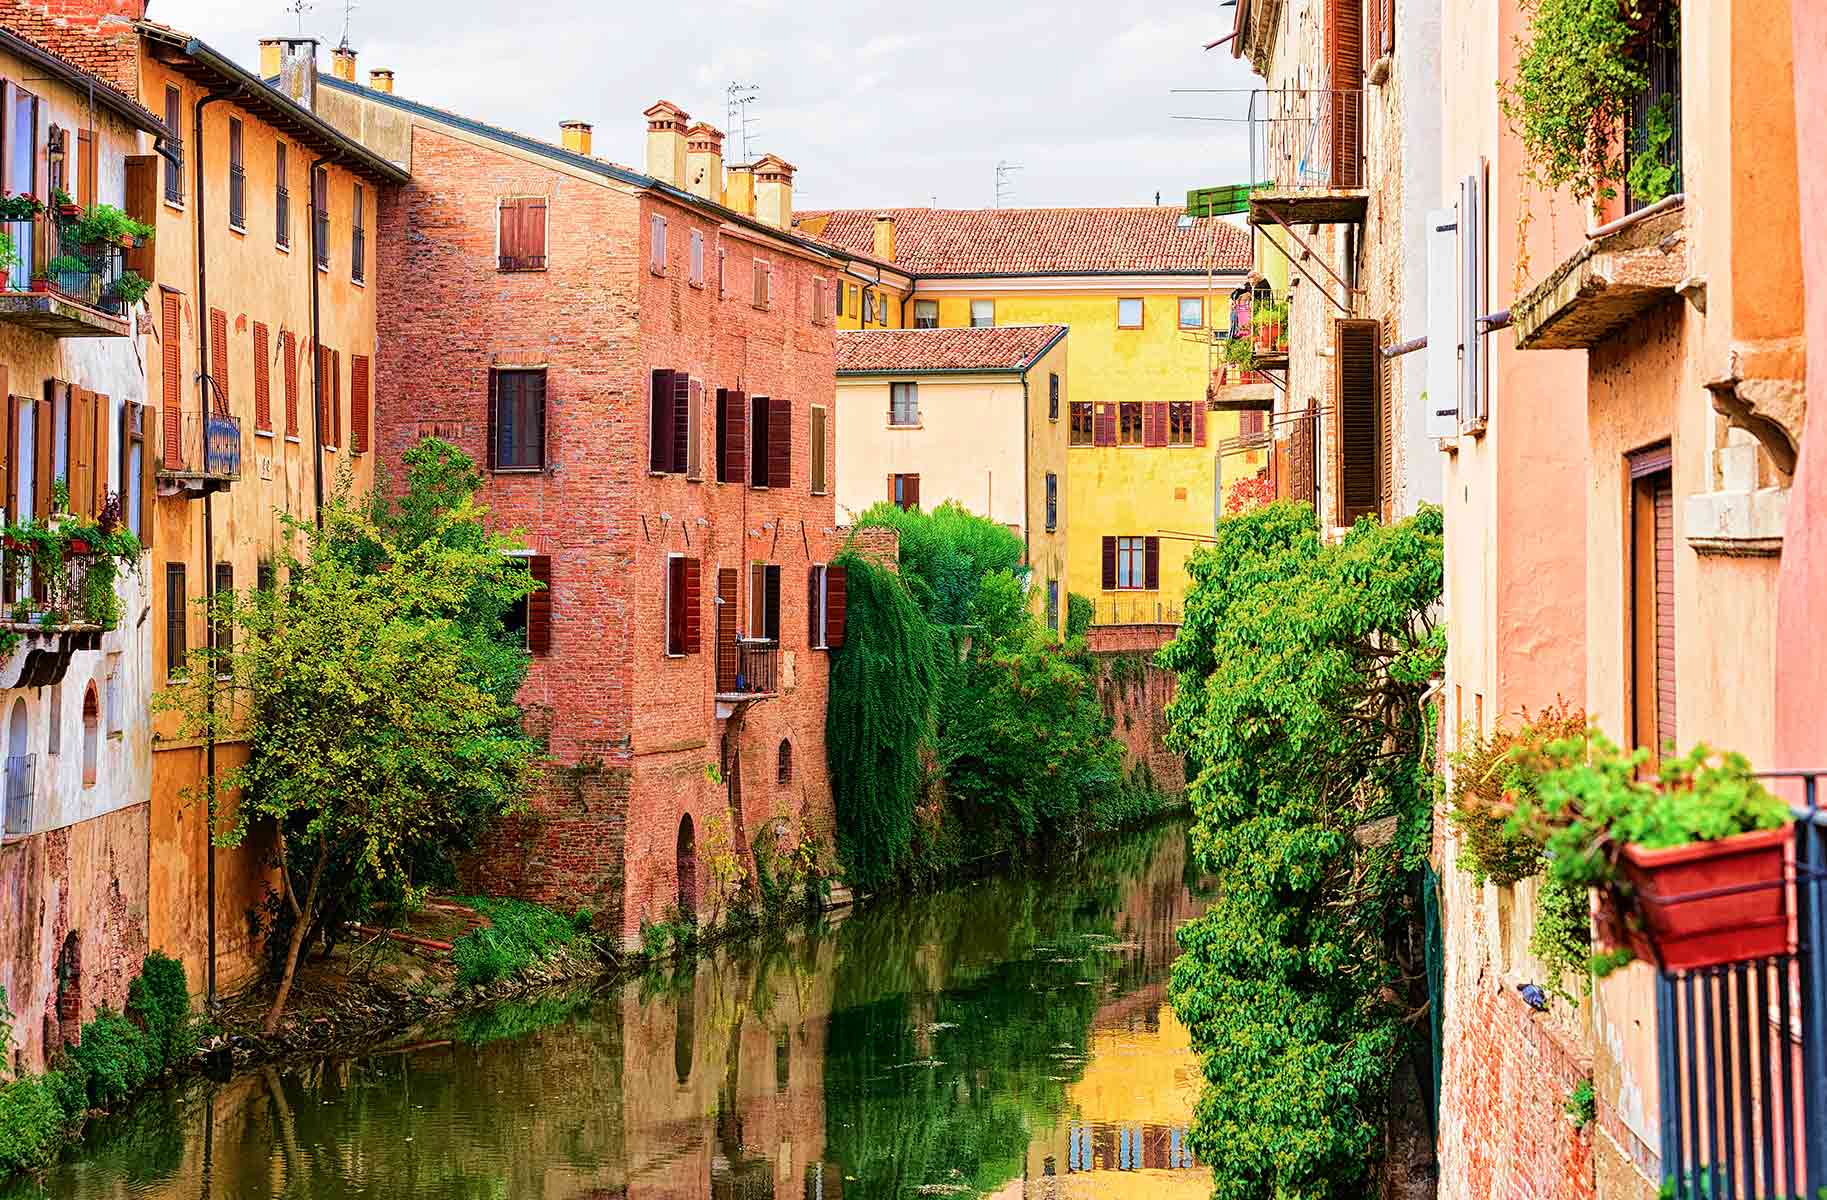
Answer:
[(1301, 667), (945, 552), (1079, 611), (373, 691)]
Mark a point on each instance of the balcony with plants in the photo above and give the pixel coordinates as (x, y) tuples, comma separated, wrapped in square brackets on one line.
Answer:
[(60, 576), (64, 266), (1255, 343)]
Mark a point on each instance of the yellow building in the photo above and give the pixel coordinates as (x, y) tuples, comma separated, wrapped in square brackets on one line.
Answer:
[(972, 415), (263, 308), (1146, 295)]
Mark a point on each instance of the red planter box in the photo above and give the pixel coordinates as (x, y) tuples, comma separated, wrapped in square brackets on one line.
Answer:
[(1689, 913)]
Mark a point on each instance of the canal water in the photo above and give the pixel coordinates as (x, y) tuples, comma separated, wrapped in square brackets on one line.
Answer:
[(1007, 1039)]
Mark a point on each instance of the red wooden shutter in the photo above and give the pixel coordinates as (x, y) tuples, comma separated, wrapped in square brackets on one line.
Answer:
[(509, 235), (171, 368), (533, 234), (142, 197), (1345, 59), (1110, 564), (1105, 425), (735, 436), (323, 396), (263, 383), (911, 487), (1664, 499), (218, 360), (727, 666), (1355, 394), (837, 596), (358, 403), (675, 605), (336, 395), (1154, 424), (1199, 418), (694, 615), (539, 605), (659, 422), (780, 443), (1152, 566), (494, 401), (1300, 458), (681, 421), (288, 345)]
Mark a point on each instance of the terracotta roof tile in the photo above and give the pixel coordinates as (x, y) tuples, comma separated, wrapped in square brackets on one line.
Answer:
[(997, 348), (980, 241)]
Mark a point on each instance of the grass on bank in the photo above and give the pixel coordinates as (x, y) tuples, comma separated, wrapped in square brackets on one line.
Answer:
[(519, 935)]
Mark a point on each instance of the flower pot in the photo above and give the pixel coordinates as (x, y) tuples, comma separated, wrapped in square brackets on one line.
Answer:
[(79, 545), (1265, 337), (69, 210), (1709, 903), (41, 285)]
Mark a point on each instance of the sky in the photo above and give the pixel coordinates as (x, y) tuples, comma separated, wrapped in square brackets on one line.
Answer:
[(877, 105)]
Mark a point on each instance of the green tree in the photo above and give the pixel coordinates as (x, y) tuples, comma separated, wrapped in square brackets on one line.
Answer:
[(377, 729), (945, 553), (1301, 668)]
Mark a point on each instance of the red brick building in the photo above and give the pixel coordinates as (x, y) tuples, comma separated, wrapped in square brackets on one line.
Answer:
[(646, 375)]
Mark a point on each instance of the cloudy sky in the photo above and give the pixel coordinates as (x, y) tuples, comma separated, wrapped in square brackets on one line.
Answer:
[(876, 104)]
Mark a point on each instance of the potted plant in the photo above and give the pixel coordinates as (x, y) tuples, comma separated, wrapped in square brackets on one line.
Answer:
[(65, 206), (19, 208), (71, 273), (1240, 354), (41, 282), (1690, 863), (1269, 319), (104, 226), (131, 287)]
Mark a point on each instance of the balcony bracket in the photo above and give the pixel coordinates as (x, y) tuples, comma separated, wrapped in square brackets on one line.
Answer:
[(43, 655), (1299, 265), (1763, 391)]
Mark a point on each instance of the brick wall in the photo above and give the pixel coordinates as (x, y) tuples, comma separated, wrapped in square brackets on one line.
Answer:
[(1137, 707)]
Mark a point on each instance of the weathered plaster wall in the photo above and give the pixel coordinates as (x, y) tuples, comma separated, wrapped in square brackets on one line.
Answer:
[(967, 445)]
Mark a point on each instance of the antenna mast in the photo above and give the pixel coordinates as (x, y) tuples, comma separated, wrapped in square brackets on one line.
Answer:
[(736, 119), (349, 7), (1004, 185), (299, 8)]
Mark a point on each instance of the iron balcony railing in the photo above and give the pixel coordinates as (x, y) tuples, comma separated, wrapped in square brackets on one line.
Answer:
[(756, 668), (20, 769), (207, 447), (86, 273), (1741, 1049), (1307, 138)]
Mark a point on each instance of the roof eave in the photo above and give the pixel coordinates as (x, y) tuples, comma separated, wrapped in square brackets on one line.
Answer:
[(107, 96)]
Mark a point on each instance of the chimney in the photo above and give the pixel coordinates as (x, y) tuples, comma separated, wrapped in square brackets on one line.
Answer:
[(739, 189), (884, 237), (298, 70), (774, 191), (381, 80), (576, 136), (666, 123), (269, 58), (704, 162), (342, 63)]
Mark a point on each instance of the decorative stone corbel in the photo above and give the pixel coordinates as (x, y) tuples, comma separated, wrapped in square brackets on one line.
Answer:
[(1763, 392)]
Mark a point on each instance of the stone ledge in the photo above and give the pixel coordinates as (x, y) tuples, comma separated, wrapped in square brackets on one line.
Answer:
[(1738, 523), (1608, 283)]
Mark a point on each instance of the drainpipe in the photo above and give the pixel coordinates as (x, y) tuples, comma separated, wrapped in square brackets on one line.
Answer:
[(204, 383)]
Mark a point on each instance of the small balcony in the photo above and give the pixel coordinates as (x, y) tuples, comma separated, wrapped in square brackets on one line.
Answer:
[(59, 288), (21, 771), (748, 670), (206, 457), (1632, 266), (1307, 146)]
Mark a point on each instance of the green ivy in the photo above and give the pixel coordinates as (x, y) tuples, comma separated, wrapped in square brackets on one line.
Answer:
[(1650, 178), (1562, 936), (1079, 611)]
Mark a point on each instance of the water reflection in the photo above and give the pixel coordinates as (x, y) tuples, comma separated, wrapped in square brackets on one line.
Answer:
[(1009, 1039)]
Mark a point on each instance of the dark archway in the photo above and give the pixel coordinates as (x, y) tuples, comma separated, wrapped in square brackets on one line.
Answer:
[(687, 858), (783, 773)]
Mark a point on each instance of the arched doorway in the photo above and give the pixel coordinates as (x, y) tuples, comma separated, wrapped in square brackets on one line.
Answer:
[(688, 870), (91, 735), (18, 802)]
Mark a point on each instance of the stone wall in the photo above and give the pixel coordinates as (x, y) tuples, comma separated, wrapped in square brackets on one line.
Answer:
[(1134, 693)]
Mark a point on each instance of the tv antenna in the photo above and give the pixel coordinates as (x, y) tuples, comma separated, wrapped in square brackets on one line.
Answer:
[(1004, 185), (349, 7), (299, 8), (736, 119)]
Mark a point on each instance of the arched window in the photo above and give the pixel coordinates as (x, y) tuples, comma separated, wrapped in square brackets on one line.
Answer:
[(18, 814), (688, 869), (784, 773), (91, 734)]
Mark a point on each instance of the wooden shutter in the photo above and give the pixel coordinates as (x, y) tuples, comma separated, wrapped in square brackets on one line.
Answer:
[(104, 428), (681, 422), (1105, 425), (733, 448), (1345, 60), (694, 608), (508, 234), (1386, 428), (539, 605), (727, 666), (1152, 565), (172, 373), (759, 428), (494, 404), (812, 607), (1110, 564), (675, 605), (780, 443), (837, 596), (218, 361), (770, 584), (326, 377), (1356, 383), (659, 422), (1300, 458), (142, 198), (694, 459), (1199, 419), (336, 394), (288, 343), (817, 434), (85, 168), (1664, 498), (1155, 422), (533, 234), (358, 403), (44, 425), (79, 446), (910, 487), (263, 381), (9, 447)]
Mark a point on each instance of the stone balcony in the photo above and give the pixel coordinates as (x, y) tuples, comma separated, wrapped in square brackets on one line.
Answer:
[(1607, 284)]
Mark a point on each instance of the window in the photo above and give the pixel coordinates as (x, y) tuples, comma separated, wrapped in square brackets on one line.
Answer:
[(983, 314), (237, 177), (1251, 423), (1650, 649), (1192, 309), (1180, 417), (282, 199), (764, 602), (656, 244), (903, 404), (320, 216), (1131, 563), (670, 423), (1081, 423), (521, 236), (91, 735), (881, 308), (841, 289), (732, 436), (263, 387), (1129, 313), (177, 633), (761, 278), (683, 607), (723, 290), (697, 258), (517, 420), (1052, 501), (770, 442), (926, 314), (221, 631), (1358, 393), (1053, 396), (817, 605), (783, 775), (818, 302), (54, 745), (904, 491), (174, 165), (329, 398), (358, 236), (820, 479), (694, 431), (111, 697), (1129, 431), (1053, 604), (135, 473)]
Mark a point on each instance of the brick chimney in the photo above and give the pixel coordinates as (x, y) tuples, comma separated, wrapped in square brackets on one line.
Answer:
[(704, 162), (774, 191), (739, 189), (381, 80), (884, 237), (575, 135), (270, 55), (342, 64), (298, 70), (666, 123)]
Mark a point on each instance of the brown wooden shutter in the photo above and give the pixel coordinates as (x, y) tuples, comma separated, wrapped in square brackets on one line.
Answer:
[(659, 422), (1199, 419), (681, 422), (817, 434), (218, 361), (1664, 498), (733, 447), (539, 605), (812, 607), (1356, 382), (494, 400), (837, 597), (172, 373), (1345, 59), (358, 403), (911, 488), (1110, 564), (288, 343), (675, 605), (770, 587), (1152, 563), (79, 447), (44, 424), (142, 198), (727, 666), (263, 380), (759, 428), (147, 479), (336, 394), (9, 446), (326, 376), (1106, 425), (509, 234), (1386, 430), (694, 607), (104, 429), (1300, 458), (780, 443), (533, 234)]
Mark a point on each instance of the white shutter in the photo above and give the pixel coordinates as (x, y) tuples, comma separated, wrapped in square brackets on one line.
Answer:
[(1442, 398), (1468, 302)]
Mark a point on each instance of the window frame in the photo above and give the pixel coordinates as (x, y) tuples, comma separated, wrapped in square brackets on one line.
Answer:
[(656, 244), (921, 318), (761, 284), (899, 500), (1052, 493), (497, 398), (696, 275), (358, 237), (1132, 558), (1180, 417), (174, 170), (237, 175), (1180, 311), (991, 323), (1141, 312), (1125, 410), (282, 197), (895, 394), (1074, 409), (1054, 392)]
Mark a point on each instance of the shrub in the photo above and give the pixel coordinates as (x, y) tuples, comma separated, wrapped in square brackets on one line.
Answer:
[(1489, 777), (31, 1124), (69, 1083), (520, 934), (160, 1001), (1079, 611), (116, 1056), (1562, 936)]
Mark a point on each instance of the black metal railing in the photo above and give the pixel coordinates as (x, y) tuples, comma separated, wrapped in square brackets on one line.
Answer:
[(1307, 138), (282, 215), (757, 666), (237, 195), (207, 446), (84, 272), (358, 254), (320, 220), (1657, 108), (20, 769), (1741, 1048)]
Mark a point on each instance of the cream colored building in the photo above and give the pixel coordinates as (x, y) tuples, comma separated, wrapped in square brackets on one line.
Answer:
[(972, 415)]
